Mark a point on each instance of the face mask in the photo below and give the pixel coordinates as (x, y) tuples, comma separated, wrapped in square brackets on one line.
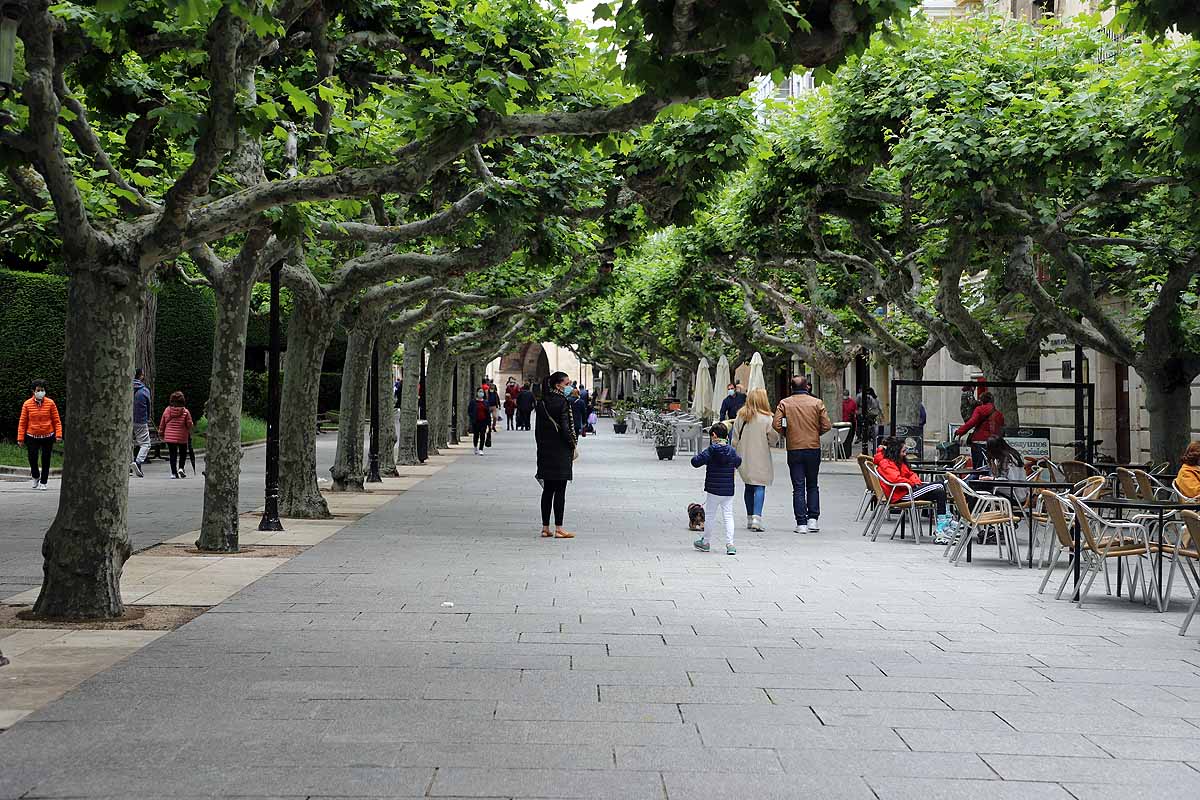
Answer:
[(479, 395), (730, 393), (39, 394)]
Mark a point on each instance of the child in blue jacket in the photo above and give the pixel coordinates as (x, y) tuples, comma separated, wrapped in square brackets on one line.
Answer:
[(721, 460)]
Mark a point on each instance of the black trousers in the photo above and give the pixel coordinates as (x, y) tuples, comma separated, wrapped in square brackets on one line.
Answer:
[(178, 456), (39, 448), (509, 416), (554, 493), (478, 436)]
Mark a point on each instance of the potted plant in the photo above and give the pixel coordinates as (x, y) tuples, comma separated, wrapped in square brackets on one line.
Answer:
[(620, 413), (664, 440)]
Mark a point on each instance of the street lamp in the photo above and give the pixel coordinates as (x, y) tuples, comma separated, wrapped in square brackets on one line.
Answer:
[(10, 14)]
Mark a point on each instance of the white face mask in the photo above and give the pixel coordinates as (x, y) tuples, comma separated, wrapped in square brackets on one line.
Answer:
[(730, 392), (39, 394)]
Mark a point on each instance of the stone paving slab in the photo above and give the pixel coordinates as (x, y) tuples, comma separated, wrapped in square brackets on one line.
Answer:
[(46, 663), (439, 647)]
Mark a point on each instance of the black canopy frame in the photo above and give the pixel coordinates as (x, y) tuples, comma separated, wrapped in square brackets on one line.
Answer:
[(1085, 393)]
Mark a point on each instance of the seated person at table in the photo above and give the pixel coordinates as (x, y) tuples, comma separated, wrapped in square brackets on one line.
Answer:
[(1006, 463), (1188, 480), (891, 460)]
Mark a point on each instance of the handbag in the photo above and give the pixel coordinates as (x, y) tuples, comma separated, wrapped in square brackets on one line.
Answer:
[(558, 430)]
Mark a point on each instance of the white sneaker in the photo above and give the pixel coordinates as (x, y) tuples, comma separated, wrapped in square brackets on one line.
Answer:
[(182, 474), (800, 528), (35, 484), (42, 487), (813, 527), (756, 523)]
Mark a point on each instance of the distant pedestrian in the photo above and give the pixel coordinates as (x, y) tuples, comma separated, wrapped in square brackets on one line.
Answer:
[(849, 414), (3, 660), (806, 419), (525, 402), (869, 413), (493, 399), (967, 401), (720, 460), (985, 422), (37, 430), (141, 422), (554, 433), (753, 437), (175, 428), (578, 411), (478, 419), (734, 400), (510, 411)]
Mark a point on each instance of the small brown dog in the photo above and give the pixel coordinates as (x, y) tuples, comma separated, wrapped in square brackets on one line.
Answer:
[(695, 517)]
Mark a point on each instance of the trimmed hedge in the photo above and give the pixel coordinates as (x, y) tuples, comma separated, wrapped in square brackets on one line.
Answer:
[(32, 333), (254, 393), (183, 345)]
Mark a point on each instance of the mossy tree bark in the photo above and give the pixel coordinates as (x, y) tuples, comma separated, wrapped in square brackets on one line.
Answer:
[(388, 343), (406, 453), (87, 544), (309, 331), (349, 471)]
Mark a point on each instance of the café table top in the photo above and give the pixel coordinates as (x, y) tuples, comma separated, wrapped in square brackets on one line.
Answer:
[(1151, 505), (1021, 484)]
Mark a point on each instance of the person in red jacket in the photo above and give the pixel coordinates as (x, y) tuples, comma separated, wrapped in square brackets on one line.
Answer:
[(985, 422), (37, 430), (175, 428), (891, 462)]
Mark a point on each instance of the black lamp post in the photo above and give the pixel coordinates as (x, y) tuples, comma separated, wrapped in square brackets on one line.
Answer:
[(270, 518), (454, 407), (373, 460)]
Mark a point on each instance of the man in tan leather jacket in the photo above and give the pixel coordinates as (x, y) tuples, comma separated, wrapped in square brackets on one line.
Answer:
[(806, 419)]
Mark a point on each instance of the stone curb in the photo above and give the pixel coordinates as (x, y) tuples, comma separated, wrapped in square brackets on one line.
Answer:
[(7, 471)]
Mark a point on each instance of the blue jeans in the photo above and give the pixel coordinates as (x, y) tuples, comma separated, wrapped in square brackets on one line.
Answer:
[(806, 498), (755, 495)]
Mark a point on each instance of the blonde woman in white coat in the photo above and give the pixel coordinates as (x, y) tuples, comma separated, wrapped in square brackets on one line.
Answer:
[(753, 437)]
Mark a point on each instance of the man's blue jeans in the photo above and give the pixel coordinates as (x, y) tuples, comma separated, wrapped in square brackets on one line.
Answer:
[(755, 495), (806, 497)]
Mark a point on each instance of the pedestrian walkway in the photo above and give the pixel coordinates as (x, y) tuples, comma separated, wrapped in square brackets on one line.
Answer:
[(159, 508), (439, 648)]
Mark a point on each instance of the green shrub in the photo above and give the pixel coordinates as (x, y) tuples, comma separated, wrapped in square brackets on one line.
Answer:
[(183, 343), (330, 396), (32, 333), (254, 397), (254, 394)]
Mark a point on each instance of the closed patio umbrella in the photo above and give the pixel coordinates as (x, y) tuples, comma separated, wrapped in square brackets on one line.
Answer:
[(756, 381), (702, 394), (720, 382)]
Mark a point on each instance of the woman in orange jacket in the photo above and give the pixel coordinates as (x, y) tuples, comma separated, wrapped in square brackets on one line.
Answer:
[(37, 430)]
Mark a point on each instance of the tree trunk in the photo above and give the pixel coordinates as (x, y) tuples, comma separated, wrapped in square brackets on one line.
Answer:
[(831, 391), (908, 398), (1005, 398), (1169, 406), (454, 403), (349, 473), (387, 405), (88, 543), (309, 330), (147, 322), (436, 400), (223, 447), (406, 454)]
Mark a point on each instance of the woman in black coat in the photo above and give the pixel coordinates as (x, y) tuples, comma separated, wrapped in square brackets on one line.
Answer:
[(554, 433)]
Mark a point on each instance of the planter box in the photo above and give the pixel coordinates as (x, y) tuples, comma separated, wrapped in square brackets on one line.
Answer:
[(666, 453)]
